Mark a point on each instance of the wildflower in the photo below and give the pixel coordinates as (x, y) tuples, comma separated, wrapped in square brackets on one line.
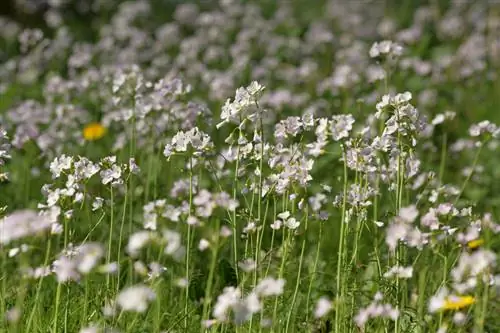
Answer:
[(374, 310), (229, 298), (459, 318), (93, 131), (458, 302), (323, 306), (399, 271), (97, 203), (292, 223), (385, 47), (23, 223), (90, 329), (13, 315), (408, 214), (247, 265), (74, 262), (470, 266), (443, 301), (276, 225), (203, 244), (173, 240), (135, 298), (198, 140), (484, 127), (4, 146), (474, 244), (60, 164), (110, 171), (340, 126), (270, 287), (244, 101), (137, 241)]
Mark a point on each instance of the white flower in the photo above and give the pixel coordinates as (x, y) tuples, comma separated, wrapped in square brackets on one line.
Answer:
[(89, 255), (60, 164), (173, 240), (385, 47), (284, 215), (13, 315), (137, 241), (408, 214), (65, 269), (292, 223), (244, 100), (228, 299), (437, 301), (91, 329), (395, 232), (340, 126), (97, 203), (399, 271), (198, 140), (23, 223), (135, 298), (111, 175), (270, 287), (133, 167), (247, 265), (203, 244), (323, 306), (276, 225)]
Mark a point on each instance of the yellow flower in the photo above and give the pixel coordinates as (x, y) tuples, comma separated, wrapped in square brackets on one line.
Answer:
[(474, 244), (458, 302), (93, 131)]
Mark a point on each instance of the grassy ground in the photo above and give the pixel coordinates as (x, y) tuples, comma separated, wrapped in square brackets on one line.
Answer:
[(320, 199)]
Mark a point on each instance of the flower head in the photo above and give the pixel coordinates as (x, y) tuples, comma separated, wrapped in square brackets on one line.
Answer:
[(474, 244), (458, 302), (93, 131)]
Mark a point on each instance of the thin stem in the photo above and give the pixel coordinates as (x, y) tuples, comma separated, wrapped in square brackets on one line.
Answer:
[(110, 238), (235, 233), (213, 264), (39, 286), (299, 272), (340, 257), (315, 266), (188, 246), (469, 176)]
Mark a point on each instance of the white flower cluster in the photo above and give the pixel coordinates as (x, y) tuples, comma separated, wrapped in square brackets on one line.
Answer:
[(135, 298), (23, 223), (171, 239), (244, 307), (483, 128), (399, 272), (340, 126), (285, 219), (470, 267), (81, 260), (376, 310), (244, 105), (200, 142), (385, 48), (402, 229)]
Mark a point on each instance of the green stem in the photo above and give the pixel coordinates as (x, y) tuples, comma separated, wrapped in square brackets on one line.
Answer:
[(299, 272), (340, 257)]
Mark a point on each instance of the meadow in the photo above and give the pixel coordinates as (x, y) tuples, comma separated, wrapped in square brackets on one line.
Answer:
[(250, 166)]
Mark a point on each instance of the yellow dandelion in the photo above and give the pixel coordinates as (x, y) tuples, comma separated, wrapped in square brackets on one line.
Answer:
[(474, 244), (94, 131), (458, 302)]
